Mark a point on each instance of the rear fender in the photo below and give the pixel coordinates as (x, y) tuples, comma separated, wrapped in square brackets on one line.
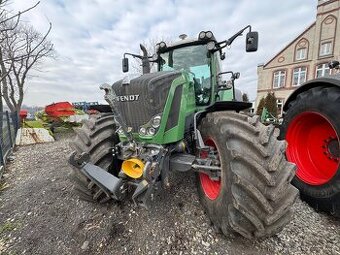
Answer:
[(330, 81)]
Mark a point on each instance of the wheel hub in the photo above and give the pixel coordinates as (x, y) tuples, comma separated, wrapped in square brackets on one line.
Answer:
[(211, 187), (332, 148)]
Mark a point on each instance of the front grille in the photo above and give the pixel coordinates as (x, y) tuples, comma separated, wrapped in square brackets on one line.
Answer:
[(153, 91)]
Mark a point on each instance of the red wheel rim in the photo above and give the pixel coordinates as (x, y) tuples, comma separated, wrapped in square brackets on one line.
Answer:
[(211, 188), (313, 145)]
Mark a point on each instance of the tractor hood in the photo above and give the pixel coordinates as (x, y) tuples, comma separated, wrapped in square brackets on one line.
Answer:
[(143, 97)]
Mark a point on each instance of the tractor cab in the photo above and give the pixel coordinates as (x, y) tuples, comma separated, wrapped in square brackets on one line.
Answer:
[(188, 80), (196, 61), (201, 59)]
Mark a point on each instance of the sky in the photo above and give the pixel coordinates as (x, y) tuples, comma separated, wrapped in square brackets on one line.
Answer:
[(91, 36)]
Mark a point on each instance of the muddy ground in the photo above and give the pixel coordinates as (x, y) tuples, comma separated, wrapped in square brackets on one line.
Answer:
[(40, 214)]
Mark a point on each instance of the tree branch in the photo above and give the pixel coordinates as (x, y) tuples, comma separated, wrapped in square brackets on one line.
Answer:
[(21, 50), (19, 14)]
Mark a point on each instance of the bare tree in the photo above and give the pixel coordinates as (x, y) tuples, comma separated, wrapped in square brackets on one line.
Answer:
[(22, 50), (8, 22), (7, 17)]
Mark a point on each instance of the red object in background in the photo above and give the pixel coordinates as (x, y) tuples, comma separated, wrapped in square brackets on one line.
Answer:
[(23, 114), (92, 112), (60, 109)]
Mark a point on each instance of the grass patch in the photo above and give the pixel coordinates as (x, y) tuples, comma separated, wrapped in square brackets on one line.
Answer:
[(33, 124), (8, 226)]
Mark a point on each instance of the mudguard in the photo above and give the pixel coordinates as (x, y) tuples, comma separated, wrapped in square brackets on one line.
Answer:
[(228, 106), (328, 81)]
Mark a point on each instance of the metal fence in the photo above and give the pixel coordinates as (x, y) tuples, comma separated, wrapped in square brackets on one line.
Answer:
[(9, 124)]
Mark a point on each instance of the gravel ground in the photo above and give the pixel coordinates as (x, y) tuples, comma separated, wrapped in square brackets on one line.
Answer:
[(40, 214)]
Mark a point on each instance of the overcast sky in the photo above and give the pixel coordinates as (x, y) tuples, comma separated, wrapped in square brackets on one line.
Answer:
[(90, 37)]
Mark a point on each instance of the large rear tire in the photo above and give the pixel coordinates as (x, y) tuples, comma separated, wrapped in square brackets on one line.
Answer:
[(254, 196), (96, 137), (311, 127)]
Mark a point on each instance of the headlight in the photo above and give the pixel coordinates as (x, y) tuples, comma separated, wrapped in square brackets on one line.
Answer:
[(201, 35), (211, 45), (209, 34), (151, 131), (151, 127), (156, 121), (205, 35), (120, 131), (142, 131)]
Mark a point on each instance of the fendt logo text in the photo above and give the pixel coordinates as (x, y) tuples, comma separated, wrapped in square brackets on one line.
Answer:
[(128, 98)]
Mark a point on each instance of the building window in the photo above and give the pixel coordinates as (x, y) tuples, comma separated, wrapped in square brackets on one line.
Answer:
[(301, 54), (322, 70), (325, 49), (279, 79), (299, 75), (279, 103)]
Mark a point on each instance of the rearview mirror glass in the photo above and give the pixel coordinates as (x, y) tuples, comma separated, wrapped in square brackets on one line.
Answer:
[(252, 41), (125, 65), (224, 80)]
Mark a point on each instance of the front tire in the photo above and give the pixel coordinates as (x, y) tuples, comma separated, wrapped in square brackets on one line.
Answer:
[(311, 127), (254, 196), (96, 137)]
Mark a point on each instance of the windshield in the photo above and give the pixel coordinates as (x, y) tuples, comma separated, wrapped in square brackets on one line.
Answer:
[(194, 60)]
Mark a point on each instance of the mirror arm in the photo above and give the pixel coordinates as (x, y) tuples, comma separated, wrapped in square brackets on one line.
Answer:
[(228, 42), (231, 72), (136, 56), (231, 39), (133, 55)]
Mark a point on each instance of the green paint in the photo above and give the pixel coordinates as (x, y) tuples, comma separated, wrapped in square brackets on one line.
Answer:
[(202, 66)]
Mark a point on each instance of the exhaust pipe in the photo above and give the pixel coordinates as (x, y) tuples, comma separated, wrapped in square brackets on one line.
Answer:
[(145, 60)]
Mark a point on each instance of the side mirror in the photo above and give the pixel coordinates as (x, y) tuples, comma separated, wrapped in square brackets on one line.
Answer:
[(252, 40), (236, 75), (125, 65)]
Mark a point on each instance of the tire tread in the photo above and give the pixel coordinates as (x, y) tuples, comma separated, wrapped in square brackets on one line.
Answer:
[(96, 137), (262, 196)]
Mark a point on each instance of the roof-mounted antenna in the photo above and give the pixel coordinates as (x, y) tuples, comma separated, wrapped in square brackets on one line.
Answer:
[(183, 36)]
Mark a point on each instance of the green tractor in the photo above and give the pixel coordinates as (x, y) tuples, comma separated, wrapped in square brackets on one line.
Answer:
[(185, 117)]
